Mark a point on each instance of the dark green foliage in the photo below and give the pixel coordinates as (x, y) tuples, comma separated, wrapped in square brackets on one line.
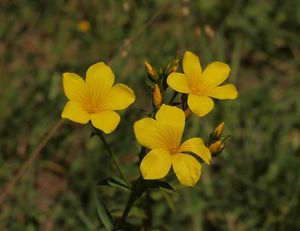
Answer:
[(254, 185)]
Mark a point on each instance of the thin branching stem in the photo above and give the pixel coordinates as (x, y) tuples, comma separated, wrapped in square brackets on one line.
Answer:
[(173, 97), (113, 157), (135, 194)]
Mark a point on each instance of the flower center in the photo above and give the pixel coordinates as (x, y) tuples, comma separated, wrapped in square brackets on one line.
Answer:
[(196, 87), (199, 89), (93, 106), (91, 111), (173, 150), (195, 90)]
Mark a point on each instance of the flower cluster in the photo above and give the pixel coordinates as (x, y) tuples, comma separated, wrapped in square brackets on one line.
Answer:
[(96, 100)]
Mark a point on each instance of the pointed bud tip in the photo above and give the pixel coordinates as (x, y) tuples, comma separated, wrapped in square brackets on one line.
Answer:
[(150, 70), (218, 130), (216, 148), (187, 113), (157, 97)]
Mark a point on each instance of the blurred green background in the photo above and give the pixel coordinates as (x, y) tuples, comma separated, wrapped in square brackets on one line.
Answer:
[(255, 185)]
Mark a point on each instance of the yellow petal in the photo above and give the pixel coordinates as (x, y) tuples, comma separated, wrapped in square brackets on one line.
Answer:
[(74, 87), (170, 115), (75, 112), (200, 105), (156, 164), (99, 79), (196, 145), (149, 134), (171, 120), (186, 168), (107, 121), (178, 82), (191, 67), (119, 97), (215, 74), (227, 91)]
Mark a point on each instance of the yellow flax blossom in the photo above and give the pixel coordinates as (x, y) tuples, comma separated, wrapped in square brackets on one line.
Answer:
[(201, 86), (84, 26), (96, 98), (163, 136)]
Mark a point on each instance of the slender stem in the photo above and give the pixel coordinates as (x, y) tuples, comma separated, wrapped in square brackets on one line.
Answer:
[(126, 211), (173, 97), (113, 157), (148, 221), (135, 194)]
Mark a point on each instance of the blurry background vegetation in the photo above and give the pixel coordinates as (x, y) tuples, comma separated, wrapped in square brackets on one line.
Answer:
[(255, 185)]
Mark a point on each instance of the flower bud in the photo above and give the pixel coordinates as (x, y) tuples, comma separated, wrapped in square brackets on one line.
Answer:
[(216, 148), (187, 113), (218, 131), (175, 68), (150, 71), (157, 97)]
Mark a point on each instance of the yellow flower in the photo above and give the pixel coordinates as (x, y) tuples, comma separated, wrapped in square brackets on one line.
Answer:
[(163, 135), (201, 86), (84, 26), (96, 98)]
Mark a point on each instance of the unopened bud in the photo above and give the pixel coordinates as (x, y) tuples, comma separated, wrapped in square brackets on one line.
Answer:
[(175, 68), (216, 148), (150, 70), (218, 131), (157, 98), (187, 113), (209, 31)]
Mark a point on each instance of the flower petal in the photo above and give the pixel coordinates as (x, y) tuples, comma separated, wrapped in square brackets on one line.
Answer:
[(191, 67), (107, 121), (172, 121), (156, 164), (196, 145), (149, 134), (200, 105), (75, 112), (178, 82), (99, 79), (170, 115), (215, 74), (119, 97), (74, 87), (227, 91), (186, 168)]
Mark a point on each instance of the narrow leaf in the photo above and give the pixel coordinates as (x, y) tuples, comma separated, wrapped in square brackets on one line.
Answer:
[(104, 214), (114, 183), (158, 184)]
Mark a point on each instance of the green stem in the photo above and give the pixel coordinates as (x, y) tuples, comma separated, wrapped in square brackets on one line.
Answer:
[(113, 157), (173, 97), (135, 194)]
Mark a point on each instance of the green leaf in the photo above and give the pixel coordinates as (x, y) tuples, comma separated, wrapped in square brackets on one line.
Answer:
[(114, 183), (158, 184), (149, 83), (104, 213)]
